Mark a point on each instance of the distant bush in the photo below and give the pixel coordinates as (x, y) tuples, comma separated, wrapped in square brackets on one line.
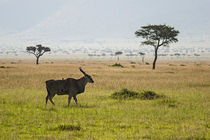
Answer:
[(67, 127), (133, 62), (172, 65), (13, 62), (129, 94), (147, 63), (117, 65), (2, 67), (182, 65), (198, 64)]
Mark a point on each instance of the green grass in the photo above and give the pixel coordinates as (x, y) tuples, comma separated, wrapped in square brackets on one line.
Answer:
[(183, 112)]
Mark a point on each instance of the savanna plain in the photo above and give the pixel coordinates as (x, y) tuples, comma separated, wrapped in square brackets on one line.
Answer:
[(183, 112)]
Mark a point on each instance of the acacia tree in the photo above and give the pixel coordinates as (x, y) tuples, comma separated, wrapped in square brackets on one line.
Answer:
[(156, 36), (117, 54), (37, 51), (142, 55)]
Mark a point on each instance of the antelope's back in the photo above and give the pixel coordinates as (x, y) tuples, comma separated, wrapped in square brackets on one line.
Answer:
[(55, 85)]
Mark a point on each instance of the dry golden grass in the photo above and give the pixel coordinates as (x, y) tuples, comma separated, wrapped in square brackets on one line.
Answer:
[(29, 76)]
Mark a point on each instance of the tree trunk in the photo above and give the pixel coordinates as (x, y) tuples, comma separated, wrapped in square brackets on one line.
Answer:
[(154, 62), (37, 60)]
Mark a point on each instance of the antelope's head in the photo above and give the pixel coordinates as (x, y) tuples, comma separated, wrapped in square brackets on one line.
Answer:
[(87, 77)]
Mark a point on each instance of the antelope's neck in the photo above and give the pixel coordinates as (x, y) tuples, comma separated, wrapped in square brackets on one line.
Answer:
[(82, 83)]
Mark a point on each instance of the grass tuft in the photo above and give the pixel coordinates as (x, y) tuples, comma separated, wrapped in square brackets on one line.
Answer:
[(133, 66), (3, 101), (13, 62), (67, 127), (171, 64), (169, 102), (117, 65)]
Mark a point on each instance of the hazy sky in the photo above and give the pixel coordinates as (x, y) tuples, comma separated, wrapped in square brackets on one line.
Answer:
[(18, 15), (102, 18)]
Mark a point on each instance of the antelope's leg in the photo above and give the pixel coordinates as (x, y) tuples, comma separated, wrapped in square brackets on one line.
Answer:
[(51, 97), (48, 95), (47, 98), (52, 101), (69, 99), (75, 99)]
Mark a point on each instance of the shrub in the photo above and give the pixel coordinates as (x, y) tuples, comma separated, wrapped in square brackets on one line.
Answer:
[(125, 94), (147, 63), (169, 102), (13, 62), (117, 65), (150, 95), (128, 94), (172, 65), (133, 62), (4, 67)]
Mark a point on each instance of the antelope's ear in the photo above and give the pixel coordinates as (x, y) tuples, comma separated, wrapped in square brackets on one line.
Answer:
[(82, 71)]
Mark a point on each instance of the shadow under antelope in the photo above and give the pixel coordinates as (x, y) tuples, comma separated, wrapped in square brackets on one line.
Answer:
[(70, 86)]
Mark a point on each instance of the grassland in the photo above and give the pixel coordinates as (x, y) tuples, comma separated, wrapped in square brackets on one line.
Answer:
[(183, 114)]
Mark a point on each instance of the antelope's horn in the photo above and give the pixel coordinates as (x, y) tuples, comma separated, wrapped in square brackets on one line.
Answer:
[(82, 71)]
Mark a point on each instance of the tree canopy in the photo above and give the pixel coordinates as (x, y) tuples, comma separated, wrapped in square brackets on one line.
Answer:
[(118, 53), (157, 35)]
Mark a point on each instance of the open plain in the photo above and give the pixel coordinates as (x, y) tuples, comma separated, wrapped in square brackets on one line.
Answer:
[(184, 113)]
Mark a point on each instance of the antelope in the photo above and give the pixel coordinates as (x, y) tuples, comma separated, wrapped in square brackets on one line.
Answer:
[(70, 86)]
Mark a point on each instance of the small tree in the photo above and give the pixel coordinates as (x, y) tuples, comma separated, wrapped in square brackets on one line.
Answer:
[(156, 36), (142, 56), (117, 54), (37, 51)]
